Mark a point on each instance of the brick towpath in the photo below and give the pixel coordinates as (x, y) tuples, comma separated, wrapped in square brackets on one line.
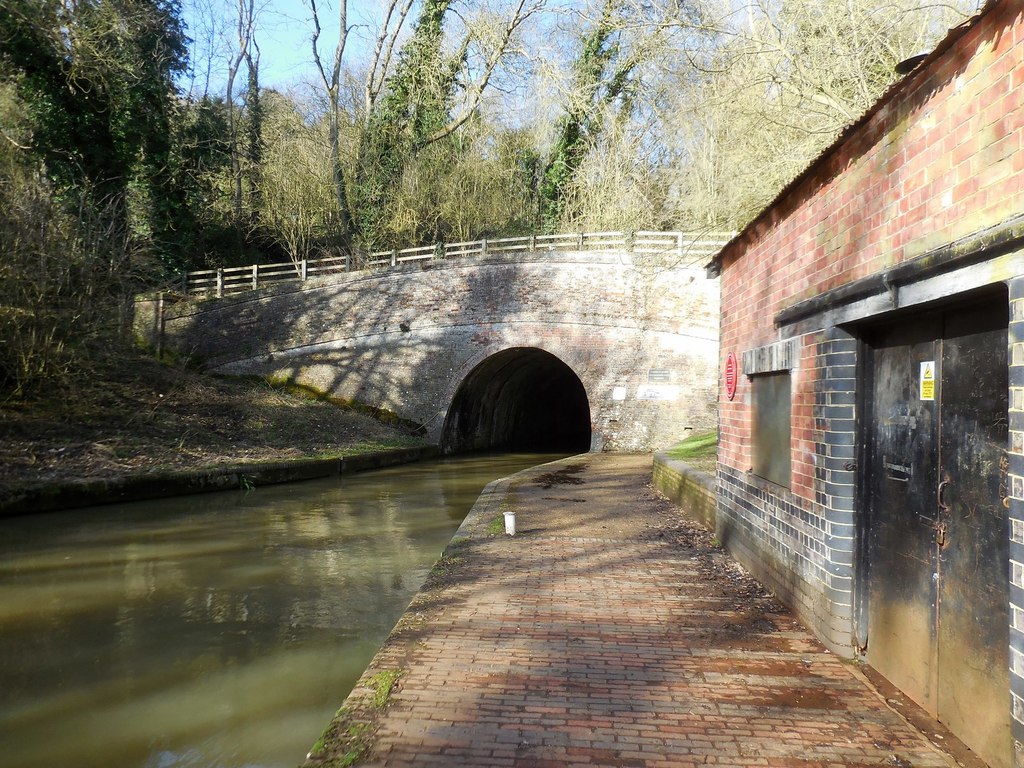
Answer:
[(609, 631)]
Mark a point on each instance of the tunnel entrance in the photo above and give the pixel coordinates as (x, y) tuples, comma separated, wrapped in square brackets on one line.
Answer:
[(521, 399)]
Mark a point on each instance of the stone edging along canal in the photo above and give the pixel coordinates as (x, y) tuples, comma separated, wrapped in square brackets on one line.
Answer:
[(49, 497), (346, 740)]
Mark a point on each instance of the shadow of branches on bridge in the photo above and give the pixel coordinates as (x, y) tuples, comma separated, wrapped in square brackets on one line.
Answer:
[(405, 340)]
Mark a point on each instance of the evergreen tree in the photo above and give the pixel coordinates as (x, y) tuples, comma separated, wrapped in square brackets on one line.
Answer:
[(98, 79), (416, 104)]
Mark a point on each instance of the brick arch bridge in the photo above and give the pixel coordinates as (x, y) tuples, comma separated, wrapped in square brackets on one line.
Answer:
[(599, 350)]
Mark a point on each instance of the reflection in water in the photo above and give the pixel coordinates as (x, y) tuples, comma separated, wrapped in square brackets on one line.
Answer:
[(215, 630)]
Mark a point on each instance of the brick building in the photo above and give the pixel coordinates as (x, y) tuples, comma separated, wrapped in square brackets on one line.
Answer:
[(871, 460)]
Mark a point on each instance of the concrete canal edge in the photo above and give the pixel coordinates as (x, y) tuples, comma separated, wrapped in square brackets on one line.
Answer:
[(50, 497), (348, 737)]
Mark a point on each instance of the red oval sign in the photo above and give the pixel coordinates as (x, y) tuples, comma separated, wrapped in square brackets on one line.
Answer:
[(731, 375)]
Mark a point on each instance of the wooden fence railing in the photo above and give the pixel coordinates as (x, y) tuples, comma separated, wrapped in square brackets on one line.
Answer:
[(689, 248)]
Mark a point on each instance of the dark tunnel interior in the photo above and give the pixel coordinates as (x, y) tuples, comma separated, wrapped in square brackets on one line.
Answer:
[(521, 399)]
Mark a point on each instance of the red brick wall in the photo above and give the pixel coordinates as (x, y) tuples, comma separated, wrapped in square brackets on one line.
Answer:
[(941, 158)]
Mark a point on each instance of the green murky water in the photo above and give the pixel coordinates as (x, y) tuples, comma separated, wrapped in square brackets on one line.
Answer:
[(216, 630)]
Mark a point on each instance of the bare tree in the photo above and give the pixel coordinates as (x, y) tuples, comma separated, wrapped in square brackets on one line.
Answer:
[(205, 46), (425, 94), (596, 161), (772, 87), (496, 44), (298, 205), (395, 15), (331, 79), (245, 31)]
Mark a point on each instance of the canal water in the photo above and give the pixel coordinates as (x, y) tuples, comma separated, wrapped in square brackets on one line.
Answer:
[(213, 631)]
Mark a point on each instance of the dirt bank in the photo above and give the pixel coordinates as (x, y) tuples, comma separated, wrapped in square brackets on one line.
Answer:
[(140, 416)]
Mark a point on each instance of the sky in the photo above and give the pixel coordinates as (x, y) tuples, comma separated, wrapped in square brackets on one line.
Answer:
[(283, 33)]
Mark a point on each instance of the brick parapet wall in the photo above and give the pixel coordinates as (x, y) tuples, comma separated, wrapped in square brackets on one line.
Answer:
[(690, 489)]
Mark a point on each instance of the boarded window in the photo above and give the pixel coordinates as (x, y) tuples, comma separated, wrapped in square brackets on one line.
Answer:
[(771, 438)]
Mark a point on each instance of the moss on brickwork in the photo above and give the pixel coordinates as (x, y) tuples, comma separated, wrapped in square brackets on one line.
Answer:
[(346, 741), (383, 415)]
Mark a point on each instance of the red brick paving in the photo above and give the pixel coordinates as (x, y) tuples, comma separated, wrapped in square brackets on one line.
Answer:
[(608, 632)]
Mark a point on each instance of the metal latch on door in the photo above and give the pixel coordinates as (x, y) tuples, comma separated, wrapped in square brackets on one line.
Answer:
[(941, 528)]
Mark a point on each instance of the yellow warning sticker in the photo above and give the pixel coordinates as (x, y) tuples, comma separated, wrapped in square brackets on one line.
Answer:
[(928, 380)]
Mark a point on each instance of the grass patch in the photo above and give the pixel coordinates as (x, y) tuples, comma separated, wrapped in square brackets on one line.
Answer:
[(445, 568), (346, 742), (376, 446), (703, 445), (360, 747), (348, 739), (383, 683)]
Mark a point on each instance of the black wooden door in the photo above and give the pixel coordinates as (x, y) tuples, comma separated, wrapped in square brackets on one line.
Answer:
[(937, 535), (974, 637)]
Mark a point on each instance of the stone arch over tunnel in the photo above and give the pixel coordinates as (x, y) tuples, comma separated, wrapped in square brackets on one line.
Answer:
[(522, 399)]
